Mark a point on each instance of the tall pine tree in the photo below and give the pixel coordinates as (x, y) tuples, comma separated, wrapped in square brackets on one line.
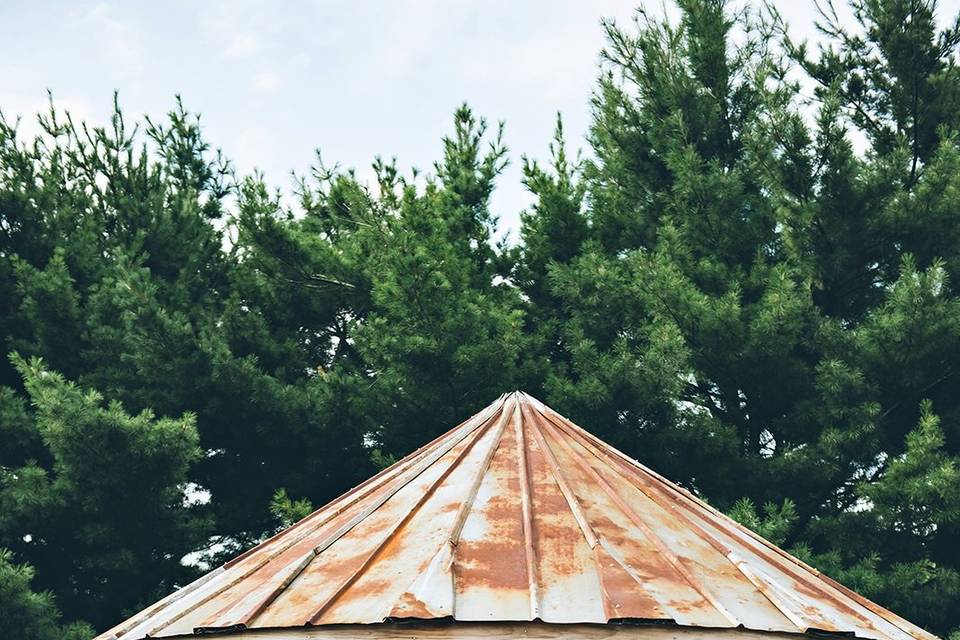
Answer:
[(753, 307)]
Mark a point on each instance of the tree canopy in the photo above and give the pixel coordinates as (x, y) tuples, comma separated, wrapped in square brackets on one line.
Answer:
[(748, 282)]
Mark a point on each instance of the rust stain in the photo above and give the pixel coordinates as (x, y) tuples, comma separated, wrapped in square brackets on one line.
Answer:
[(412, 607), (516, 514), (498, 565), (625, 596)]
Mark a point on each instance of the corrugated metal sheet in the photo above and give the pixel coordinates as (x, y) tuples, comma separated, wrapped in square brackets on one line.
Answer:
[(517, 515)]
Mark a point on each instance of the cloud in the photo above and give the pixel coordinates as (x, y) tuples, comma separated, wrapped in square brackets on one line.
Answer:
[(241, 45), (118, 36), (265, 82)]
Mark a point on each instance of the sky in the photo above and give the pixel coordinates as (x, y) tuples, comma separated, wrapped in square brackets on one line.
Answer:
[(275, 81)]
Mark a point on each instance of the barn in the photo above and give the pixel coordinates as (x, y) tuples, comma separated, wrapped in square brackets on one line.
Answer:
[(515, 523)]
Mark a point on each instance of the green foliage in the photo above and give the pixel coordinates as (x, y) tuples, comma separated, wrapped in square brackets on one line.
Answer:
[(382, 460), (919, 491), (774, 523), (408, 305), (104, 504), (287, 510), (26, 614), (742, 301), (749, 284)]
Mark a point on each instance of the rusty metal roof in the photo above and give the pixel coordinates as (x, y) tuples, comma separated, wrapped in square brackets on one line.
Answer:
[(517, 514)]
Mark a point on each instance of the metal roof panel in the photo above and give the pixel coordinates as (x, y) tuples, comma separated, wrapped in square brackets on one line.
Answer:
[(516, 514)]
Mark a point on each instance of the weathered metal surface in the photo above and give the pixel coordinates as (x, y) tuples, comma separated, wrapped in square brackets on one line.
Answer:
[(516, 515), (441, 630)]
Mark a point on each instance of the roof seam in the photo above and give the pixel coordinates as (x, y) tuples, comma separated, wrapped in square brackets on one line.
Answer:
[(561, 481), (630, 571), (806, 571), (467, 506), (396, 484), (139, 619), (651, 535), (377, 480), (526, 506), (710, 538), (588, 533), (478, 433), (796, 618)]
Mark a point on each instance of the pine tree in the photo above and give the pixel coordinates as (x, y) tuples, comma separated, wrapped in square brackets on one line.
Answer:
[(409, 311), (29, 615), (760, 311), (98, 505)]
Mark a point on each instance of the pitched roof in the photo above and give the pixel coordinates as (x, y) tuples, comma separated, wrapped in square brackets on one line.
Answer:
[(517, 514)]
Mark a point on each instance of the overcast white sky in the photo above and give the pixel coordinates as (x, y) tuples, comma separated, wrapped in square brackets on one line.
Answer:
[(276, 80)]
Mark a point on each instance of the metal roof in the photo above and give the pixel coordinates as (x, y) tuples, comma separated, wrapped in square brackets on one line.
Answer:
[(517, 514)]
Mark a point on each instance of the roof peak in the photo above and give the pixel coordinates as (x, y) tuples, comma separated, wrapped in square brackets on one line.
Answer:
[(517, 514)]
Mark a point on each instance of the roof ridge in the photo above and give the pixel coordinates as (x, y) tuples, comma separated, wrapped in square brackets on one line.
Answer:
[(526, 512)]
